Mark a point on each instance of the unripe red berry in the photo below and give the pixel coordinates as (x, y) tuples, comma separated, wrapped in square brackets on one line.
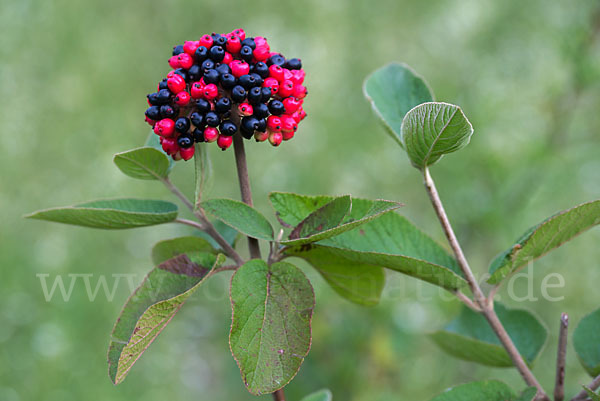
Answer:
[(297, 76), (174, 62), (286, 88), (288, 124), (228, 58), (261, 53), (287, 75), (182, 98), (211, 134), (197, 90), (300, 91), (206, 41), (210, 91), (176, 83), (190, 47), (150, 121), (291, 104), (276, 72), (245, 109), (234, 44), (274, 123), (261, 136), (224, 141), (301, 114), (177, 156), (275, 138), (185, 60), (261, 41), (239, 68), (169, 145), (287, 135), (187, 153), (240, 33), (165, 127), (271, 83)]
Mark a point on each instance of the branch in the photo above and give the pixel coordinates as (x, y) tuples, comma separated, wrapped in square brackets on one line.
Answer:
[(177, 193), (487, 309), (467, 301), (279, 395), (559, 384), (583, 395), (190, 223)]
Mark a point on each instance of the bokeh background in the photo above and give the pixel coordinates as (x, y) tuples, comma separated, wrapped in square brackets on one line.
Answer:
[(73, 79)]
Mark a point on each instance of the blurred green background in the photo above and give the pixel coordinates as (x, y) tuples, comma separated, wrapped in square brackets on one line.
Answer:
[(73, 78)]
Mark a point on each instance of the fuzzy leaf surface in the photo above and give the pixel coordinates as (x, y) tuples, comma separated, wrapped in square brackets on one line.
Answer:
[(240, 216), (145, 163)]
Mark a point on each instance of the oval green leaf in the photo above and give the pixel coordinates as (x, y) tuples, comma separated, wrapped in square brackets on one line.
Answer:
[(432, 130), (240, 216), (111, 214), (392, 91), (544, 237), (321, 395), (145, 163), (170, 248), (490, 390), (271, 328), (586, 340), (527, 395), (469, 337), (153, 141), (152, 306)]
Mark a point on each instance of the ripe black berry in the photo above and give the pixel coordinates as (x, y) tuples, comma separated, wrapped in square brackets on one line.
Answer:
[(261, 110), (228, 81), (167, 111), (182, 73), (223, 105), (293, 64), (203, 106), (198, 135), (258, 80), (227, 128), (261, 69), (276, 107), (207, 64), (217, 53), (248, 126), (185, 141), (198, 120), (163, 96), (238, 94), (195, 73), (201, 54), (249, 42), (266, 94), (262, 125), (277, 59), (177, 50), (219, 41), (247, 81), (182, 125), (246, 53), (212, 119), (223, 69), (153, 98), (254, 95), (211, 77), (163, 84), (153, 113)]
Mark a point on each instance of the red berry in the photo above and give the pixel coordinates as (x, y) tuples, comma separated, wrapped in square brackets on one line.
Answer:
[(301, 114), (174, 62), (176, 83), (239, 68), (206, 41), (185, 60), (150, 121), (176, 156), (190, 47), (287, 74), (300, 91), (228, 58), (276, 72), (261, 136), (197, 90), (187, 153), (169, 145), (286, 88), (274, 123), (234, 44), (210, 134), (210, 91), (288, 124), (182, 98), (165, 127), (224, 141), (291, 104), (245, 109), (275, 138), (261, 53), (298, 76), (240, 33), (271, 83), (287, 135)]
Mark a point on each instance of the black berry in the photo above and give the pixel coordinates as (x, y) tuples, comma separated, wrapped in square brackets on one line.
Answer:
[(185, 141), (163, 96), (247, 81), (276, 107), (182, 125), (211, 76), (246, 53), (227, 128), (198, 135), (266, 94), (261, 110), (201, 54), (203, 106), (238, 93), (293, 64), (262, 125), (212, 119), (167, 111), (277, 59), (195, 73), (217, 53), (198, 120), (228, 81), (153, 113), (223, 105), (254, 95), (249, 42), (248, 126), (223, 69), (163, 84), (177, 50), (207, 64), (261, 69)]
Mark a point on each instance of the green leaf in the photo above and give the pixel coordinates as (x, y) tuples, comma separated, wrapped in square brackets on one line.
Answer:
[(490, 390), (318, 218), (593, 396), (359, 283), (111, 214), (229, 234), (586, 341), (470, 337), (153, 141), (152, 306), (270, 333), (432, 130), (170, 248), (143, 163), (240, 216), (527, 395), (204, 171), (544, 237), (321, 395), (393, 90)]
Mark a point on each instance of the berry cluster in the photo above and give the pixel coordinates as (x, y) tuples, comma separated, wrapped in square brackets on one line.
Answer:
[(224, 84)]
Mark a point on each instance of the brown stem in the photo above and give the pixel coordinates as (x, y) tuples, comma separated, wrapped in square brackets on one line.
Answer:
[(559, 384), (583, 395), (279, 395), (242, 170), (487, 308)]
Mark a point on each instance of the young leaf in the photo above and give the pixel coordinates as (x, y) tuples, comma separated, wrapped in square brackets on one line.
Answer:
[(153, 141), (291, 209), (203, 168), (593, 396), (270, 332), (546, 236), (321, 395), (170, 248), (111, 214), (432, 130), (359, 283), (143, 163), (240, 216), (393, 90), (469, 337), (527, 395), (586, 340), (490, 390), (323, 219), (152, 306)]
